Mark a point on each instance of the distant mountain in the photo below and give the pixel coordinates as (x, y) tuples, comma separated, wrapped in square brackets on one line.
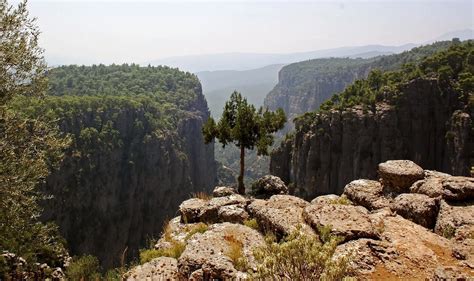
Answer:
[(254, 84), (464, 34), (246, 61)]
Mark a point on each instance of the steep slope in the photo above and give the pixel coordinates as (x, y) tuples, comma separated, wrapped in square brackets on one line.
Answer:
[(136, 152), (423, 113), (304, 86)]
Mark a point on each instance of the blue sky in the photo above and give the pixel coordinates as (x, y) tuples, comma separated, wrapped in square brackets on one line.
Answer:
[(135, 31)]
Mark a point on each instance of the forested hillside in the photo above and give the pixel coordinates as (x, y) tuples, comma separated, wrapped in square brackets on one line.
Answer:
[(421, 112), (136, 152), (304, 86)]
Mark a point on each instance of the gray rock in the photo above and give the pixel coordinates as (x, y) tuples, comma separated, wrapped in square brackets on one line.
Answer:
[(199, 210), (221, 191), (233, 214), (444, 273), (162, 268), (281, 214), (431, 186), (418, 208), (451, 217), (209, 251), (325, 199), (367, 193), (458, 188), (267, 186), (348, 222), (400, 174)]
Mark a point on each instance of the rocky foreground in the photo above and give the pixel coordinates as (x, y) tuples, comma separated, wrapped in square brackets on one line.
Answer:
[(412, 223)]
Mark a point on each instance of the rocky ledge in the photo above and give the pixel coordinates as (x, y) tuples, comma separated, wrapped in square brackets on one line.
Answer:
[(411, 224)]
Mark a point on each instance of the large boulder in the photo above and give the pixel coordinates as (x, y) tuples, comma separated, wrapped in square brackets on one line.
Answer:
[(346, 221), (233, 214), (326, 199), (400, 174), (458, 188), (281, 214), (418, 208), (367, 193), (209, 251), (162, 268), (267, 186), (200, 210)]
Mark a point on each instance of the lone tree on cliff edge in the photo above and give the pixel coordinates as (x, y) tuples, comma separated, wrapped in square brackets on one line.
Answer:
[(246, 127)]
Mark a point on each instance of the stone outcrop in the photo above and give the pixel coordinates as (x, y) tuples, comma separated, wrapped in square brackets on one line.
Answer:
[(162, 268), (346, 221), (383, 234), (208, 252), (418, 208), (400, 174), (422, 124), (281, 214)]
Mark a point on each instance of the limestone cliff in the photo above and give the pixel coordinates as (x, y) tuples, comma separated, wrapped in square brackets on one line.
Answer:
[(132, 160)]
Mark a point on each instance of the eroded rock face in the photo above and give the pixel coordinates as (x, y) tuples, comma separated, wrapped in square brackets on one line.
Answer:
[(367, 193), (346, 221), (268, 186), (280, 214), (400, 174), (324, 156), (162, 268), (200, 210), (451, 217), (209, 251), (232, 213), (458, 188), (325, 199), (418, 208)]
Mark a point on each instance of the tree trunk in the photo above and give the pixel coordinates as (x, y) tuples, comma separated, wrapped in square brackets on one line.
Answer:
[(241, 188)]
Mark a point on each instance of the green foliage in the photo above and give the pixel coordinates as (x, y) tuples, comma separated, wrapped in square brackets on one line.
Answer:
[(300, 257), (343, 200), (449, 231), (252, 223), (195, 228), (84, 268), (175, 250), (244, 126), (450, 63), (29, 147)]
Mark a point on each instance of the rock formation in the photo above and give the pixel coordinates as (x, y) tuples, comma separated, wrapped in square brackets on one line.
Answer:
[(387, 229), (423, 124)]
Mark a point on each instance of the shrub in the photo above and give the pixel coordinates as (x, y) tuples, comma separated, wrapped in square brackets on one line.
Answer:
[(343, 200), (175, 250), (449, 231), (84, 268), (300, 257), (252, 223)]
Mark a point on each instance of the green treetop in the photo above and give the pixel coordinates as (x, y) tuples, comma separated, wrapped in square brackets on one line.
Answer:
[(245, 126)]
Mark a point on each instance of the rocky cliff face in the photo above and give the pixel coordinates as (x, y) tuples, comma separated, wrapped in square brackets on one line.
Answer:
[(125, 173), (428, 126)]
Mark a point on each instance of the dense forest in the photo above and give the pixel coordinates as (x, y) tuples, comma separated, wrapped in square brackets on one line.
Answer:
[(135, 136), (420, 112)]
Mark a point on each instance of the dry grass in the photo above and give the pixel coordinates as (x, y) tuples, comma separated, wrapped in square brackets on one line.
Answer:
[(175, 250), (201, 195), (252, 223), (235, 251)]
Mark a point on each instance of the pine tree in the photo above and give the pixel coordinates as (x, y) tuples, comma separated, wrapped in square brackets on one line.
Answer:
[(245, 126)]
